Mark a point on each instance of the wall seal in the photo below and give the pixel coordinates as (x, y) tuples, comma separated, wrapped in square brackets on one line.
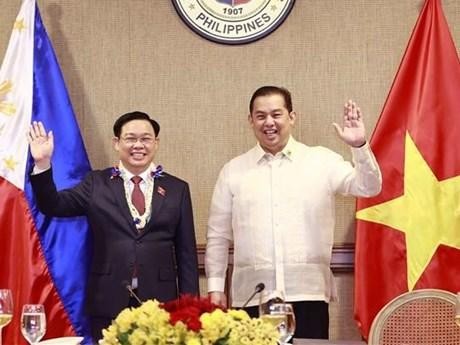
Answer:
[(233, 21)]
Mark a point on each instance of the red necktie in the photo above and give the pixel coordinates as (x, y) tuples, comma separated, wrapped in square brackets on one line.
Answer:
[(137, 197)]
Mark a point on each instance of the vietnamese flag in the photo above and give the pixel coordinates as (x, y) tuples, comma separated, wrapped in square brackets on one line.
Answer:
[(408, 237)]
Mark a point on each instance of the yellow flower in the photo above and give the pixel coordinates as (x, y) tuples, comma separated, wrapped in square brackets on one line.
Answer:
[(214, 326), (125, 320), (149, 325), (110, 335), (193, 341), (138, 337), (252, 332), (238, 314)]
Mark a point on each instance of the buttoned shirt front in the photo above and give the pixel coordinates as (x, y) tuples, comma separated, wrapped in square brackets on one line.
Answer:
[(279, 211), (144, 176)]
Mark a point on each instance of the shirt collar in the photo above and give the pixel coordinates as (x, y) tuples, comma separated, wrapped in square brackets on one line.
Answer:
[(288, 151), (144, 175)]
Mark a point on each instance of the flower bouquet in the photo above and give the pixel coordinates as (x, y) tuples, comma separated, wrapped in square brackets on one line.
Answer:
[(187, 321)]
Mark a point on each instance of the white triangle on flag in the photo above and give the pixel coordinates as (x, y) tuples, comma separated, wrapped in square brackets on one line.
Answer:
[(16, 93)]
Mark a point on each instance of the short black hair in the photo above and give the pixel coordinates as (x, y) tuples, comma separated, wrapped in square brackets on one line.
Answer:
[(272, 90), (134, 115)]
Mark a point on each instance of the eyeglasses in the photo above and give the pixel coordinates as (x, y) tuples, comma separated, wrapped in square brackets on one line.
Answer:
[(143, 140)]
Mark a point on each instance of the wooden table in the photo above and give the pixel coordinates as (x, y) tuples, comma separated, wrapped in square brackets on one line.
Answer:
[(327, 342)]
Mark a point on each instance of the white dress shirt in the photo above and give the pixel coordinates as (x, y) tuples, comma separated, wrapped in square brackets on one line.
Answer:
[(280, 212), (142, 185)]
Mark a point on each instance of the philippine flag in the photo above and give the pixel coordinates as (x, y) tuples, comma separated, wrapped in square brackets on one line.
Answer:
[(43, 260)]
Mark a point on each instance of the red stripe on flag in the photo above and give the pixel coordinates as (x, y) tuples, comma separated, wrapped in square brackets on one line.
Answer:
[(23, 268)]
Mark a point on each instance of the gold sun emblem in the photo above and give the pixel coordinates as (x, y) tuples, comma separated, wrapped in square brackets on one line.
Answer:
[(6, 108)]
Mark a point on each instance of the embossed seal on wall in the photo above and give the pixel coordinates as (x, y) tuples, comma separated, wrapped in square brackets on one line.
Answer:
[(233, 21)]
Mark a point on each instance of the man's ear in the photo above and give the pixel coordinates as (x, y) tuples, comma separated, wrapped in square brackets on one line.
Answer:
[(116, 143), (250, 118), (292, 116)]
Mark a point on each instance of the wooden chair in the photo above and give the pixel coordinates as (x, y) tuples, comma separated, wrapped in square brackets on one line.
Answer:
[(419, 317)]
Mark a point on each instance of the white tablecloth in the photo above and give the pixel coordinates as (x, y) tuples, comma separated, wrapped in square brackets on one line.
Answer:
[(327, 342)]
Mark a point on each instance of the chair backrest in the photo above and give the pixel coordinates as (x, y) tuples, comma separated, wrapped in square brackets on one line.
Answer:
[(419, 317)]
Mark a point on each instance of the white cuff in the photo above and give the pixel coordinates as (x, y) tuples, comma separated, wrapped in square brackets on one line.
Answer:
[(216, 284), (37, 170)]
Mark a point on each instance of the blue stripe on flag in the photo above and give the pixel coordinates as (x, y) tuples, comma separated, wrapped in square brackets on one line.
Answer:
[(65, 241)]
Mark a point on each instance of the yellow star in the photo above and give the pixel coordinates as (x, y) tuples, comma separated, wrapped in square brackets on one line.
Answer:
[(428, 212), (6, 108), (10, 163), (19, 25)]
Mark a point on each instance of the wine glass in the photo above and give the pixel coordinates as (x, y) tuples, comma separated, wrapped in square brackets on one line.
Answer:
[(457, 309), (6, 309), (280, 315), (33, 322), (268, 297)]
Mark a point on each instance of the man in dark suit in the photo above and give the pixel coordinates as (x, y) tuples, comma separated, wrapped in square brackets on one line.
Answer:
[(141, 220)]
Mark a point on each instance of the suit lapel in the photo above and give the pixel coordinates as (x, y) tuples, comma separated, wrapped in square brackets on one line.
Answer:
[(158, 197)]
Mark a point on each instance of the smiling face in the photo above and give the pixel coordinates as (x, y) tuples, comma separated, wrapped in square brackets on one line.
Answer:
[(271, 122), (136, 145)]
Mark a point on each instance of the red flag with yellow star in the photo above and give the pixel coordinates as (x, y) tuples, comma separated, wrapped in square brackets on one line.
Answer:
[(408, 237)]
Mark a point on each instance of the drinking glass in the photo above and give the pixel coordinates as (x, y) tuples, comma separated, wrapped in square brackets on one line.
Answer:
[(33, 322), (6, 309), (280, 315), (268, 297), (457, 309)]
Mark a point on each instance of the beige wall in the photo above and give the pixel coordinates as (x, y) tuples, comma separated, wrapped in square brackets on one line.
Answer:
[(121, 55)]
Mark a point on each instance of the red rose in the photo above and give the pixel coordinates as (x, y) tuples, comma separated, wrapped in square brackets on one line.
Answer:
[(188, 309)]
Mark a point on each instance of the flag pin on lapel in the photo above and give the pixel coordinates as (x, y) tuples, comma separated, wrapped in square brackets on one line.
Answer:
[(161, 191)]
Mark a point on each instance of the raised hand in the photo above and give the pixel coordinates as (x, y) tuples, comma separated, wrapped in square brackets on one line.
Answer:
[(41, 145), (352, 132)]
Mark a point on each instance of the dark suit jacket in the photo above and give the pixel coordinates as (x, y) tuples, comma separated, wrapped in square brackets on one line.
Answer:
[(164, 252)]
